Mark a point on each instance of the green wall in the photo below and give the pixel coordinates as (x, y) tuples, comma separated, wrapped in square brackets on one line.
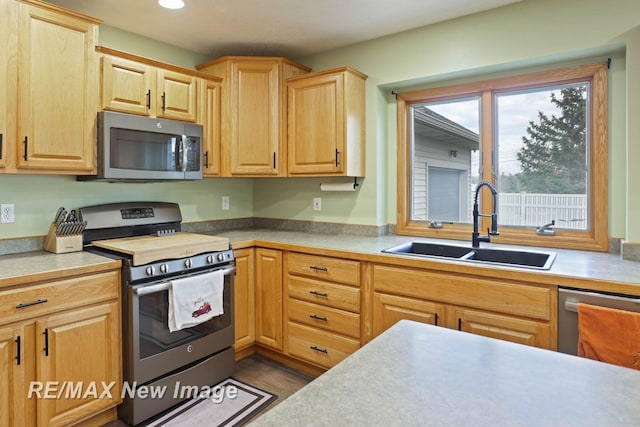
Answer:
[(37, 198), (523, 37), (533, 34)]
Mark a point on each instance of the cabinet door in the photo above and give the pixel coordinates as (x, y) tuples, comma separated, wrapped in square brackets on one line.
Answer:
[(57, 90), (127, 86), (389, 309), (80, 347), (212, 122), (255, 124), (12, 363), (4, 103), (506, 328), (316, 140), (177, 96), (269, 298), (244, 303)]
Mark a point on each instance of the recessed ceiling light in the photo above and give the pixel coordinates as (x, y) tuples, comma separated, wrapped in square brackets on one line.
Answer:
[(171, 4)]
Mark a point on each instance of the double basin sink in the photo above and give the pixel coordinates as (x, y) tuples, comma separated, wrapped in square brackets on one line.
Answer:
[(505, 257)]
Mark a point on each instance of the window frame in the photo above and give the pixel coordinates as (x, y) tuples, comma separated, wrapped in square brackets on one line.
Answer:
[(595, 239)]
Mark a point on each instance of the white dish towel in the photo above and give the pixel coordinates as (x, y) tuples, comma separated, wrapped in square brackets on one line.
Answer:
[(195, 299)]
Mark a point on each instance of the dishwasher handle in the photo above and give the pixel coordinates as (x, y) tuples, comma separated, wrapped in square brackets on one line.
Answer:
[(571, 306)]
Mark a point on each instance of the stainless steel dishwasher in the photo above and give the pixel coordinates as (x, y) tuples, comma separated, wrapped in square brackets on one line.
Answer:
[(568, 299)]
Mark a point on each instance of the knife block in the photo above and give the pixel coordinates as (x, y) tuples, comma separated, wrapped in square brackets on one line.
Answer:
[(61, 244)]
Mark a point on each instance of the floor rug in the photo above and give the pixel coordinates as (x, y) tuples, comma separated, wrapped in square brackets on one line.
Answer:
[(231, 403)]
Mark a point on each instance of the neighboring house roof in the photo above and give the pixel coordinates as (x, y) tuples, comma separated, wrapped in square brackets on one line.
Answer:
[(435, 127)]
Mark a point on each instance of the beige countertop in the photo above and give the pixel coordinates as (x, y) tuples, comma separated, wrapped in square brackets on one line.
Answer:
[(27, 267), (594, 270), (571, 267)]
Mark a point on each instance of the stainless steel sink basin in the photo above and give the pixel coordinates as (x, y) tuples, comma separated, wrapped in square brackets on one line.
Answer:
[(528, 259)]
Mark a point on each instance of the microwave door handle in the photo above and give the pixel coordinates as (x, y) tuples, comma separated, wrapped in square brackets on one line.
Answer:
[(177, 154), (185, 155)]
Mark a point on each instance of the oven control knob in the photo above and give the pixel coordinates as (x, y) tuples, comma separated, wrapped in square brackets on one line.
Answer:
[(188, 263), (150, 270), (209, 259), (220, 257), (164, 268)]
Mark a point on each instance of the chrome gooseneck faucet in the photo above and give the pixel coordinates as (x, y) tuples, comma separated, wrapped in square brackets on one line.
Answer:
[(476, 238)]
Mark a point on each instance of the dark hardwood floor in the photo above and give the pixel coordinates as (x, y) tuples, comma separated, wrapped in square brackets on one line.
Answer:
[(265, 374), (270, 376)]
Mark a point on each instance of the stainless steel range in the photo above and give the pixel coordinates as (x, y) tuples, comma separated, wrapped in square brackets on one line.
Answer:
[(147, 237)]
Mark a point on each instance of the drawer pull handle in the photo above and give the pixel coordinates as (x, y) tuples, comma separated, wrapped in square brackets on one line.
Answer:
[(319, 294), (316, 317), (321, 350), (316, 268), (29, 304), (18, 350)]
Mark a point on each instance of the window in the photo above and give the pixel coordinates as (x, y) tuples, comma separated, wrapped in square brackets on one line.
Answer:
[(540, 139)]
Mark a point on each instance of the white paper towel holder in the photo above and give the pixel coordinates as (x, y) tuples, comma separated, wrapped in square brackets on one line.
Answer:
[(341, 187)]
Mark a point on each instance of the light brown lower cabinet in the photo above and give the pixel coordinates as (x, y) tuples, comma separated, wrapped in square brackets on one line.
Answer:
[(318, 346), (319, 309), (268, 288), (322, 308), (60, 350), (244, 299), (389, 309), (497, 308), (508, 328)]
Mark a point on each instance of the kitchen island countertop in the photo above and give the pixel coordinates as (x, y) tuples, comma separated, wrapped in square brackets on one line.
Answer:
[(422, 375)]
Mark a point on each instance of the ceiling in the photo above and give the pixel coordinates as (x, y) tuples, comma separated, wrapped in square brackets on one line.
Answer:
[(291, 28)]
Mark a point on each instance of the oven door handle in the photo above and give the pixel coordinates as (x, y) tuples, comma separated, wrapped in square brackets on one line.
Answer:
[(160, 287)]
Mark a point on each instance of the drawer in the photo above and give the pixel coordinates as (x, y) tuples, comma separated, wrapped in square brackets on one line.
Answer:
[(320, 347), (35, 300), (331, 319), (324, 268), (324, 293)]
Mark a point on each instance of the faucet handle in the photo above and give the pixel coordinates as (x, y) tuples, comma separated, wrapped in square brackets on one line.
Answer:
[(494, 225)]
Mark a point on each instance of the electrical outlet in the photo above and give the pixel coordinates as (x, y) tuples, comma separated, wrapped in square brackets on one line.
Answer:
[(317, 204), (7, 213), (225, 203)]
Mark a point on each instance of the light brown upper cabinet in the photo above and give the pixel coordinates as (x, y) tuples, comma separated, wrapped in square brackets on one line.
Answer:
[(211, 121), (253, 113), (4, 41), (136, 85), (326, 115), (50, 69)]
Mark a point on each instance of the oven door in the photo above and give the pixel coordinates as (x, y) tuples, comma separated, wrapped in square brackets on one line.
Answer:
[(151, 350)]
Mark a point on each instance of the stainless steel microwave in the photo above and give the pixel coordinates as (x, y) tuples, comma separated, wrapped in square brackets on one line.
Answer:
[(144, 149)]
